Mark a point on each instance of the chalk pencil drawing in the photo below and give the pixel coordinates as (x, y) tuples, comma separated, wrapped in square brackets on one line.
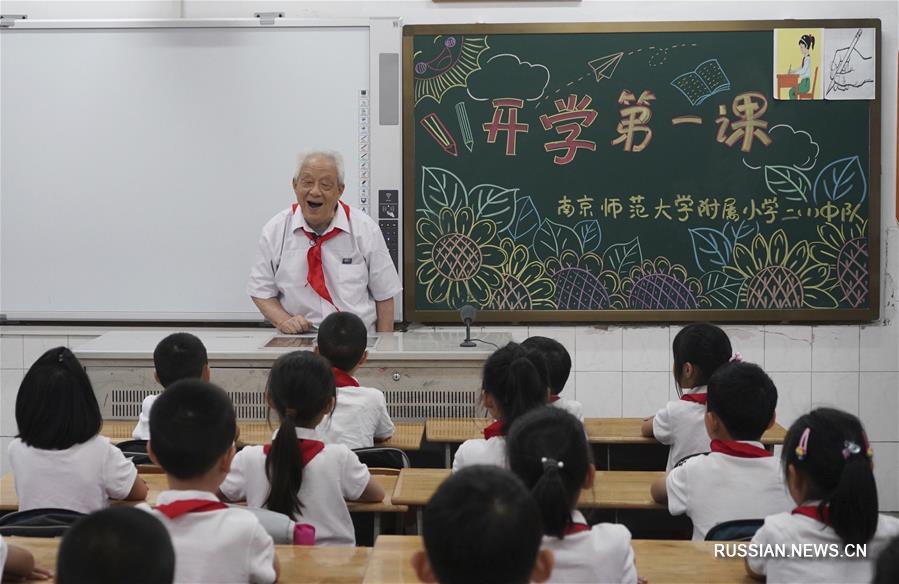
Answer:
[(435, 127), (465, 125)]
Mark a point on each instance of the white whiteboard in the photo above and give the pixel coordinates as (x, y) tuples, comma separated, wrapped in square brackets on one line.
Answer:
[(140, 164)]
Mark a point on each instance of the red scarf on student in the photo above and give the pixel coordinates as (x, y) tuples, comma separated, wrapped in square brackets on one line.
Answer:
[(814, 512), (495, 429), (344, 379), (696, 398), (316, 273), (554, 398), (179, 508), (576, 528), (308, 449), (739, 449)]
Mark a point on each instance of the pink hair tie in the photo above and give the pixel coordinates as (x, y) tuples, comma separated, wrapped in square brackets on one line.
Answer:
[(736, 357), (802, 449)]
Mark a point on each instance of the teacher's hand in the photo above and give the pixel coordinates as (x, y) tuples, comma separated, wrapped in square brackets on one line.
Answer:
[(294, 324)]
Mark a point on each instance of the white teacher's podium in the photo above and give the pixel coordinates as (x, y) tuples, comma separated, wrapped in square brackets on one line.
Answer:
[(423, 374)]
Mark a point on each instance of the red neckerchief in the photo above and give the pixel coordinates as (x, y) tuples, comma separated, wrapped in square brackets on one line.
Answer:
[(739, 449), (179, 508), (814, 512), (495, 429), (696, 398), (554, 398), (575, 528), (344, 379), (308, 449), (316, 273)]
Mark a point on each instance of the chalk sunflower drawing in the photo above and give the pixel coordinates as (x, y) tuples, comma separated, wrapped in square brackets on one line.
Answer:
[(581, 281), (660, 285), (779, 275), (458, 259), (525, 285), (845, 248)]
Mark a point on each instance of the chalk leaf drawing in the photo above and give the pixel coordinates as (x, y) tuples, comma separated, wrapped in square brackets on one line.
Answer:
[(525, 221), (621, 257), (842, 180), (590, 234), (711, 248), (780, 276), (788, 183), (553, 238), (721, 290), (492, 202), (440, 189), (458, 259)]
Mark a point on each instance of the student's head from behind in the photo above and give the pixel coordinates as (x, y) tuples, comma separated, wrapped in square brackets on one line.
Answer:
[(342, 340), (515, 381), (887, 567), (180, 356), (482, 526), (192, 429), (548, 451), (699, 350), (558, 361), (827, 458), (741, 402), (118, 545), (56, 407), (301, 389)]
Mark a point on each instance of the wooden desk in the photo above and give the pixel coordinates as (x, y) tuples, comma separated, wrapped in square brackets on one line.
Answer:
[(787, 81), (407, 436), (657, 561), (324, 565), (451, 431)]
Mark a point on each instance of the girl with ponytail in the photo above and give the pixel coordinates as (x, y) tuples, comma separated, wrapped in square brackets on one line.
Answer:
[(828, 464), (515, 381), (298, 474), (548, 450)]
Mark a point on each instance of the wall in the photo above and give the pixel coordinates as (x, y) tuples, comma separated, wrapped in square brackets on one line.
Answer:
[(618, 371)]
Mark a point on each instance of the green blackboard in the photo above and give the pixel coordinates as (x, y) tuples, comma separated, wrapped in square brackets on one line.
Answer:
[(632, 172)]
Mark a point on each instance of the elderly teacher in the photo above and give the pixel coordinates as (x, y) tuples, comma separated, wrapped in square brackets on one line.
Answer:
[(321, 256)]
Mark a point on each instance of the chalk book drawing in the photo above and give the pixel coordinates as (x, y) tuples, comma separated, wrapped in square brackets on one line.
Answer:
[(704, 81), (850, 63)]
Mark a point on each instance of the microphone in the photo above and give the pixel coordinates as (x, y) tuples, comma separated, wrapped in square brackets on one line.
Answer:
[(467, 314)]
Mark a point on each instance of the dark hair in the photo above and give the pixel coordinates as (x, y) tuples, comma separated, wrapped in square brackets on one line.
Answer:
[(537, 443), (300, 386), (192, 424), (744, 398), (56, 407), (516, 379), (118, 545), (841, 478), (807, 40), (887, 567), (705, 346), (342, 338), (558, 361), (179, 356), (482, 525)]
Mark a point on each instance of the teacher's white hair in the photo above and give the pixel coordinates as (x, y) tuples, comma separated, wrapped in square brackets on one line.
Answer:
[(335, 156)]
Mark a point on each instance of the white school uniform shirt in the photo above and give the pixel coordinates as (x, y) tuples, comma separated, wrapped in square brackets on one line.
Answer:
[(142, 429), (571, 406), (3, 552), (681, 425), (82, 478), (357, 266), (786, 528), (359, 417), (599, 556), (221, 546), (334, 476), (481, 451), (717, 487)]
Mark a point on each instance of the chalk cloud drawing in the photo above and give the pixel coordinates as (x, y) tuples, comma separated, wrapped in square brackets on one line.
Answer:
[(507, 76), (789, 148)]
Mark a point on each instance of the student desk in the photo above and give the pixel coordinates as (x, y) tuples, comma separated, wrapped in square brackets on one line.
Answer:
[(313, 565), (613, 490), (406, 437), (609, 434), (657, 561)]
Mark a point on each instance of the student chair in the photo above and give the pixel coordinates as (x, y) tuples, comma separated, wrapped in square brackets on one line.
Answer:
[(736, 530), (383, 457), (46, 522), (810, 94), (136, 450)]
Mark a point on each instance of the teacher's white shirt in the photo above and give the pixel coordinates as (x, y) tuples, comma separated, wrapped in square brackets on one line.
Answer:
[(358, 268)]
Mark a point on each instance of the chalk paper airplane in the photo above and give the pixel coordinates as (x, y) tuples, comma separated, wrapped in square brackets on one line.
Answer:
[(604, 67)]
